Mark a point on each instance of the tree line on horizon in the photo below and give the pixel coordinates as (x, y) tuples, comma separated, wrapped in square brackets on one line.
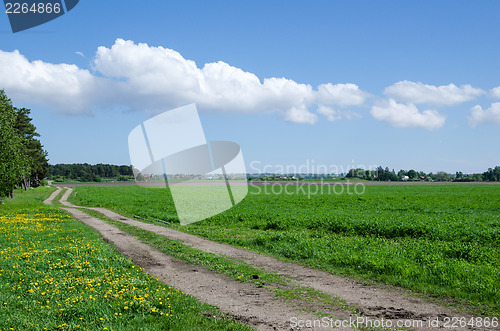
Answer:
[(384, 174), (23, 161), (84, 172)]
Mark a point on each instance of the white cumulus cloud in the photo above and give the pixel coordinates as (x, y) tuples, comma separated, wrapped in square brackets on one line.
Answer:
[(63, 87), (137, 76), (341, 94), (418, 93), (495, 92), (334, 115), (479, 115), (407, 115), (164, 77), (300, 115)]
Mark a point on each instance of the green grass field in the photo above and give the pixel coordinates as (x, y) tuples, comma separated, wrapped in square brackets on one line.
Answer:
[(57, 273), (442, 240)]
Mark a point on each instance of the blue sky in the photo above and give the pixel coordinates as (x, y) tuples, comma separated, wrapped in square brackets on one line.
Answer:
[(352, 83)]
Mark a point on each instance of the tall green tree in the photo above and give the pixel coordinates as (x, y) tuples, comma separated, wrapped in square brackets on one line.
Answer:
[(13, 162), (412, 174), (38, 165), (22, 158)]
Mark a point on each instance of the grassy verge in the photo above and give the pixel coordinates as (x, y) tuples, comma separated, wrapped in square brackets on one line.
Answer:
[(442, 241), (57, 273), (32, 198)]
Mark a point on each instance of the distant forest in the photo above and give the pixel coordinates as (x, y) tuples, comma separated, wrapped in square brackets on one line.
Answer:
[(381, 174), (84, 172)]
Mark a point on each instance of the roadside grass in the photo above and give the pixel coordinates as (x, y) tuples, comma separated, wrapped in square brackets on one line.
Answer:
[(57, 273), (442, 241), (281, 285), (27, 199)]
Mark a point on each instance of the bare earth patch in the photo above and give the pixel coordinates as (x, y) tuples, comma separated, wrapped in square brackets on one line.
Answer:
[(52, 196)]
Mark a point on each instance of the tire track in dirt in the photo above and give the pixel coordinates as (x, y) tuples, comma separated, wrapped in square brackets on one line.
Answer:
[(373, 301), (54, 194), (244, 302)]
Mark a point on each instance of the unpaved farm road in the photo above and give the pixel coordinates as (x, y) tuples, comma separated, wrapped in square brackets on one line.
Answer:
[(259, 307)]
